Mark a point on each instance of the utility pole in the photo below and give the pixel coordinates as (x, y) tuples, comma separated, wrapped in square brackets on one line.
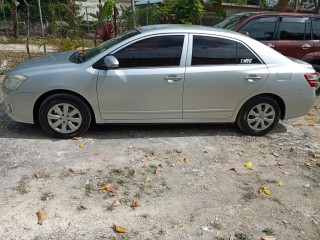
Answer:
[(40, 13), (133, 14)]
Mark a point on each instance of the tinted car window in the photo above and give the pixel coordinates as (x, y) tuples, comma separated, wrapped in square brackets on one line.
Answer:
[(294, 28), (212, 51), (316, 29), (261, 28), (152, 52)]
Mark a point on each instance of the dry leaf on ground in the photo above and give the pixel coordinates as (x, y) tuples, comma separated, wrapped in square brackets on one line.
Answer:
[(233, 169), (76, 138), (241, 153), (186, 161), (116, 204), (81, 145), (316, 155), (38, 175), (279, 183), (268, 238), (286, 173), (265, 190), (178, 151), (41, 216), (119, 229), (307, 165), (276, 154), (248, 165), (158, 169), (135, 203), (307, 185), (108, 187), (147, 180)]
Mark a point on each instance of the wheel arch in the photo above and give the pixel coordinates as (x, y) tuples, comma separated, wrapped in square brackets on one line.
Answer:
[(278, 99), (40, 100)]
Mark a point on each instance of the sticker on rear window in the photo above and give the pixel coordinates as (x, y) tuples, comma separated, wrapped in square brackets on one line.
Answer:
[(246, 60)]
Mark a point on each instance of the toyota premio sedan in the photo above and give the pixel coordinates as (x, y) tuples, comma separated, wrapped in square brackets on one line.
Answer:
[(161, 74)]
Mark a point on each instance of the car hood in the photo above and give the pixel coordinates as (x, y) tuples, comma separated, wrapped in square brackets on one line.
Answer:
[(58, 60)]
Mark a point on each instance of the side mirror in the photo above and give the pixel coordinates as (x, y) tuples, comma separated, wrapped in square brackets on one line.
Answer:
[(111, 62), (245, 33)]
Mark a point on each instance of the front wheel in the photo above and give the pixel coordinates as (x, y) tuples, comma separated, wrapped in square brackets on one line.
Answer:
[(64, 116), (259, 116)]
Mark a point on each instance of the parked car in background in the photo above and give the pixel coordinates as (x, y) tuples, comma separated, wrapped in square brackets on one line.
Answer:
[(161, 74), (292, 34)]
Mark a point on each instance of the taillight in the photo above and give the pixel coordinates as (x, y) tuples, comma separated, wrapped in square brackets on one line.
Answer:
[(312, 79)]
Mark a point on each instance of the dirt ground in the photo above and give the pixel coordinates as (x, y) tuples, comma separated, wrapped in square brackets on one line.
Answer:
[(161, 182)]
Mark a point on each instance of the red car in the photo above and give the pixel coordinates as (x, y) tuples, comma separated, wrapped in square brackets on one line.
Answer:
[(293, 34)]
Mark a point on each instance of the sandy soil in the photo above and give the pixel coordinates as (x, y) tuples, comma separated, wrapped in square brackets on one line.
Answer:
[(189, 180)]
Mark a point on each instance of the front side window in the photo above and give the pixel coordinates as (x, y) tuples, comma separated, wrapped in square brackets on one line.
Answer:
[(316, 29), (220, 51), (294, 28), (160, 51), (261, 29)]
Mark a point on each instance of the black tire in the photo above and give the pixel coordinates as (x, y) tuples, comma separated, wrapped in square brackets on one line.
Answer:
[(317, 68), (259, 116), (60, 126)]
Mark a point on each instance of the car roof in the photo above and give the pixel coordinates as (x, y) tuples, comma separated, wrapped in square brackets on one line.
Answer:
[(278, 14)]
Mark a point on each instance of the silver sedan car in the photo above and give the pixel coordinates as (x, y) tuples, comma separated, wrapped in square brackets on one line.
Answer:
[(161, 74)]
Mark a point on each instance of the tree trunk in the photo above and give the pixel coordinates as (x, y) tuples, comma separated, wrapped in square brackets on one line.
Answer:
[(15, 18), (28, 27), (282, 5)]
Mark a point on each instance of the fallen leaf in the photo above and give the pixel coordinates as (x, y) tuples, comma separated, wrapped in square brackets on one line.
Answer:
[(133, 173), (71, 170), (147, 179), (178, 151), (248, 165), (97, 153), (296, 124), (135, 203), (307, 165), (158, 169), (41, 216), (38, 175), (108, 187), (316, 155), (231, 237), (279, 183), (119, 229), (76, 138), (105, 186), (81, 145), (280, 165), (307, 185), (145, 165), (286, 173), (233, 169), (241, 153), (186, 161), (265, 190), (311, 125), (206, 228), (268, 238), (2, 126), (117, 171), (309, 117), (292, 149), (276, 155), (116, 204), (152, 153)]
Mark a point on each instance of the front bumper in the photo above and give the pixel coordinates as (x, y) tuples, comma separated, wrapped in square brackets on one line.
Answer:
[(19, 105)]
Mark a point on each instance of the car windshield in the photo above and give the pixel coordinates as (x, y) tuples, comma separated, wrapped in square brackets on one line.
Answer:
[(232, 21), (92, 52)]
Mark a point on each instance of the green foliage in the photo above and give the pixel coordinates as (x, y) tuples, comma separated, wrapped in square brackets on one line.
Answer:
[(107, 10), (268, 231), (64, 44), (181, 11)]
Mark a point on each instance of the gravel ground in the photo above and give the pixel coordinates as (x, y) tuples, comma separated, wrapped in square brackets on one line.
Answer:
[(169, 182)]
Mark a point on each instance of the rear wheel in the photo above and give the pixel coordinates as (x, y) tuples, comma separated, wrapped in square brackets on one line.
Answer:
[(64, 116), (259, 116)]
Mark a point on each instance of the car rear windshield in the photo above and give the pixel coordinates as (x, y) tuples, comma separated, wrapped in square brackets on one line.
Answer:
[(232, 21), (92, 52)]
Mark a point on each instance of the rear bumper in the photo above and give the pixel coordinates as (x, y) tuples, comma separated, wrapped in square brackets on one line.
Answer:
[(298, 105)]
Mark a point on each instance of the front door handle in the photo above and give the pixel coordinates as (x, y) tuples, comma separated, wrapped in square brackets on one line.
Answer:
[(172, 79), (253, 78), (305, 46)]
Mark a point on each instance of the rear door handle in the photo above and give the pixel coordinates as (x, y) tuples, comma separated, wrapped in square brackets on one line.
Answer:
[(253, 78), (305, 46), (270, 45), (172, 79)]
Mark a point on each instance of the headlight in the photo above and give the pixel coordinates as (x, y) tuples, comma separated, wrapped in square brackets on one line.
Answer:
[(14, 81)]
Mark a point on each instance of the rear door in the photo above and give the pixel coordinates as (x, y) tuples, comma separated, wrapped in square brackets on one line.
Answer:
[(294, 38), (220, 73), (316, 37)]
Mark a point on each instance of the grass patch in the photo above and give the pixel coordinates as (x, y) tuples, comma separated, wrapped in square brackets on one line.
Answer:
[(46, 196), (241, 236), (268, 231)]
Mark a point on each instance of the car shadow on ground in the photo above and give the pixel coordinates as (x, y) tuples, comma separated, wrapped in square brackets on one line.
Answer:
[(11, 129)]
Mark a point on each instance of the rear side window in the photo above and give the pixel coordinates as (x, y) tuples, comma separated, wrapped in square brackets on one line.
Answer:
[(294, 28), (161, 51), (316, 29), (261, 29), (220, 51)]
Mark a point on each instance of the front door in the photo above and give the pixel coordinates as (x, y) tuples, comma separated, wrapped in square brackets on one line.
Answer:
[(149, 82)]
